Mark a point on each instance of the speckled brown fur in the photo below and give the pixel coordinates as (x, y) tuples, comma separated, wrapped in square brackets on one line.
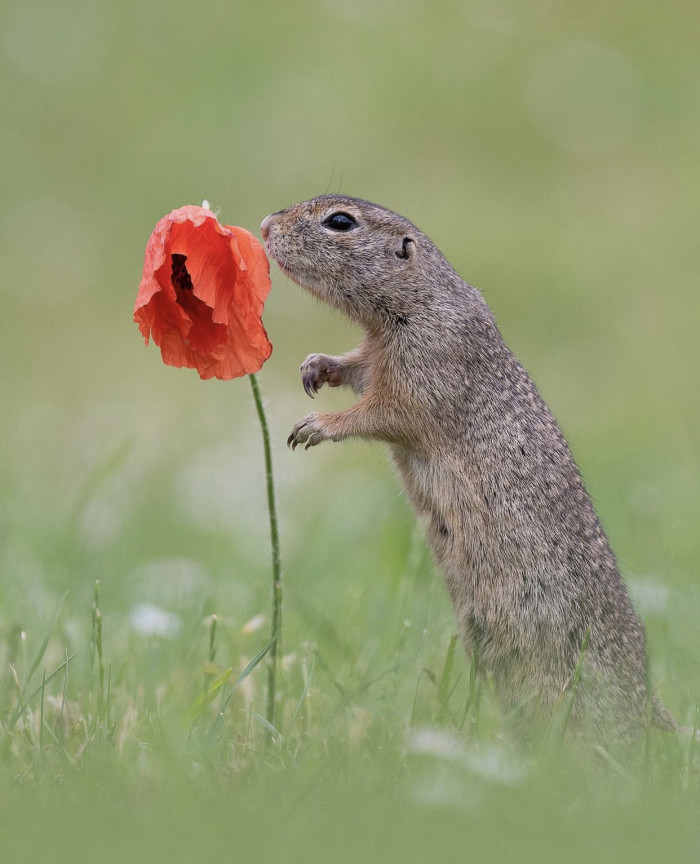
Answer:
[(528, 566)]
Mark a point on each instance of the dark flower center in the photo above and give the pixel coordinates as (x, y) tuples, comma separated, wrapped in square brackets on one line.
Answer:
[(181, 279), (203, 333)]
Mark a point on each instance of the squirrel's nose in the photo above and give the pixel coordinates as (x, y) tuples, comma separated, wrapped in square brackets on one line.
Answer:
[(265, 227)]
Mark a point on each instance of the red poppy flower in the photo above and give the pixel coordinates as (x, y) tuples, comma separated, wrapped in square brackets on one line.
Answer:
[(202, 294)]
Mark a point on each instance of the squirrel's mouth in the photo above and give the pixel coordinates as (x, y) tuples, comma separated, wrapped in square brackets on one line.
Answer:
[(286, 268), (296, 274)]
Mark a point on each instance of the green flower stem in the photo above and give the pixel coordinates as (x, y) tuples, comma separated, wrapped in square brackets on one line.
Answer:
[(276, 631)]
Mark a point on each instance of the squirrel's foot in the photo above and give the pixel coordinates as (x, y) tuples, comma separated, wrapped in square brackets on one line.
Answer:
[(309, 431), (320, 369)]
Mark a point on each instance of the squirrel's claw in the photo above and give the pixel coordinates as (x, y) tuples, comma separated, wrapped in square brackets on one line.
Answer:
[(310, 384), (306, 431), (319, 369), (313, 375), (314, 439)]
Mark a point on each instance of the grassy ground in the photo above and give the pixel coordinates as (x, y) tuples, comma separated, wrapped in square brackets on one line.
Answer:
[(550, 150)]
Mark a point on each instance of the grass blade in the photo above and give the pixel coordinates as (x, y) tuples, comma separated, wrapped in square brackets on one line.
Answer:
[(17, 713), (245, 673), (41, 650), (304, 692)]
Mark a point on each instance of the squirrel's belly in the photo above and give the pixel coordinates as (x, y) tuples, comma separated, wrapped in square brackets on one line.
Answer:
[(451, 508), (495, 572)]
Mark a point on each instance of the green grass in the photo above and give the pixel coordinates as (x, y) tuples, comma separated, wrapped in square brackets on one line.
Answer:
[(388, 748), (550, 150)]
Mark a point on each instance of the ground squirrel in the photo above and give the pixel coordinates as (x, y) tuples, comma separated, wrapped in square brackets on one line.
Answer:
[(529, 569)]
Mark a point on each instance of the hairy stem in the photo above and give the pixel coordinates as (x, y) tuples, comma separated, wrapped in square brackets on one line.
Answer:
[(276, 631)]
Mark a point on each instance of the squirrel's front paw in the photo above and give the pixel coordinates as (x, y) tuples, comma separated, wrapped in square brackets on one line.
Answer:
[(320, 369), (307, 430)]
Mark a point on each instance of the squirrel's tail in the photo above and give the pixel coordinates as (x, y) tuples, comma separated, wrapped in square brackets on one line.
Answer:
[(661, 717)]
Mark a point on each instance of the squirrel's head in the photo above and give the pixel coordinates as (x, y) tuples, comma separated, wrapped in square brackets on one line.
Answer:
[(367, 261)]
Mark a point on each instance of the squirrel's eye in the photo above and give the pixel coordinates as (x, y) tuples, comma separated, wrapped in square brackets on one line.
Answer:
[(340, 222)]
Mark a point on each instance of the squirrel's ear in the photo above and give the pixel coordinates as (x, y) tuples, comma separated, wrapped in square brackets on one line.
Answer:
[(407, 249)]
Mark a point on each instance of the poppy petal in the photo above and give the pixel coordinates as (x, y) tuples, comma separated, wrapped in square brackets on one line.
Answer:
[(202, 294)]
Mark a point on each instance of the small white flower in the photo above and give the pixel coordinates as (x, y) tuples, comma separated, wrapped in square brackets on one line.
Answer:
[(436, 742), (150, 620), (490, 763), (257, 622)]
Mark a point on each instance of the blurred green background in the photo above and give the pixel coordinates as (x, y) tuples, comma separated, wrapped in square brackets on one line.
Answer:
[(549, 148)]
